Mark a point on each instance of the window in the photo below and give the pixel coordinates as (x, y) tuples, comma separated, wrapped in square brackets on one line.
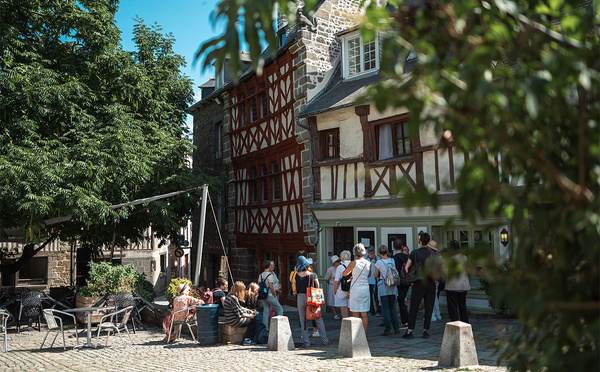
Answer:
[(331, 143), (265, 105), (265, 183), (392, 139), (35, 271), (276, 181), (254, 185), (359, 56), (253, 107), (242, 110), (217, 140)]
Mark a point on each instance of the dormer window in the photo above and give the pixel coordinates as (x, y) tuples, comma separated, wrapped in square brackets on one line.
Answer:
[(360, 57)]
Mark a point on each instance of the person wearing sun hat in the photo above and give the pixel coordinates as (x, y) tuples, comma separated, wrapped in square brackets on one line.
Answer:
[(180, 302), (305, 279), (330, 278)]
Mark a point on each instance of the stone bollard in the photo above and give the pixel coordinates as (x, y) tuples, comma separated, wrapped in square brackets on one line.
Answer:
[(280, 334), (353, 340), (458, 346)]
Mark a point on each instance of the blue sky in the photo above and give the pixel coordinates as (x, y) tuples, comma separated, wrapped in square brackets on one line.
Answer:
[(188, 21)]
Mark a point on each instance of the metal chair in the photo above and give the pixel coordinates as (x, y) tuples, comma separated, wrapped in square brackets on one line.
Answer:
[(55, 323), (30, 309), (4, 316), (123, 300), (115, 321), (189, 322)]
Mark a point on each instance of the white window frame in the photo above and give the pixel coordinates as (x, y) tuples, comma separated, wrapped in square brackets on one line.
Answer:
[(346, 55)]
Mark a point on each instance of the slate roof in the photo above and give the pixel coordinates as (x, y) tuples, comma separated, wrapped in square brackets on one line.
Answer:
[(340, 93), (209, 84)]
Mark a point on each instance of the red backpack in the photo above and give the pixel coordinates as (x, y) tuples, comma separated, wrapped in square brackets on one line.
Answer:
[(207, 296)]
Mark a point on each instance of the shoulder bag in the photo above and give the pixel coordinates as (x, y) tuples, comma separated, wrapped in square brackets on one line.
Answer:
[(314, 295), (313, 312)]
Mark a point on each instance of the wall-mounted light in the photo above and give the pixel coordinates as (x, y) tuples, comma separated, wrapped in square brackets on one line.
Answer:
[(504, 237)]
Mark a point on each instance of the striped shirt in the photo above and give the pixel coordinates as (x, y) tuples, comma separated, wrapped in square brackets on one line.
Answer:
[(233, 312)]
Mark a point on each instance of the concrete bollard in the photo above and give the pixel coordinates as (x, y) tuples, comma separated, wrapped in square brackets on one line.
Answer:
[(280, 334), (458, 346), (353, 340)]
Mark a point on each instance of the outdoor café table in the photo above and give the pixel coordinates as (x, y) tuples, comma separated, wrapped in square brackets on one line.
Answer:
[(88, 311)]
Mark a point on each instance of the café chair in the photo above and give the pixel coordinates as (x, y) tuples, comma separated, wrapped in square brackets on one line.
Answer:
[(115, 321), (190, 321), (123, 300), (30, 309), (55, 323), (4, 316)]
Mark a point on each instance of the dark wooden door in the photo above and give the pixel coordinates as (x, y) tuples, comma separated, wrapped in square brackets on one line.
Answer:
[(343, 239)]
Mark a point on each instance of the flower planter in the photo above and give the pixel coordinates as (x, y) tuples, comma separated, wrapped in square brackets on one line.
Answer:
[(81, 301)]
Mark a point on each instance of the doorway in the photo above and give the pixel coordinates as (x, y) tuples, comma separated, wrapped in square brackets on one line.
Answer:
[(343, 239)]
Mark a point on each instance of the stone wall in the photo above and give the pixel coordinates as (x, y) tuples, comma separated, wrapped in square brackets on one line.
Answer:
[(60, 267), (321, 47), (317, 51)]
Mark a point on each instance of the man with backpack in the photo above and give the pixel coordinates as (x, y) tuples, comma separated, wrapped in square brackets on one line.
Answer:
[(400, 259), (421, 289)]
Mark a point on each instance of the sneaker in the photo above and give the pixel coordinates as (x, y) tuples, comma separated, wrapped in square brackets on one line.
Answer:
[(425, 334), (316, 334), (378, 315), (404, 326), (408, 336), (337, 317), (248, 342)]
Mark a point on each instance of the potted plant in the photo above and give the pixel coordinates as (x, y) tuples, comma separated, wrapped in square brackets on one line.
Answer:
[(108, 279)]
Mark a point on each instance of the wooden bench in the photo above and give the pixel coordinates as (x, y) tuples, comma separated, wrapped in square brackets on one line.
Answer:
[(234, 335)]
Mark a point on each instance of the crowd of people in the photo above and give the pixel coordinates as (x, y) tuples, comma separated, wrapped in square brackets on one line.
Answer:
[(357, 288)]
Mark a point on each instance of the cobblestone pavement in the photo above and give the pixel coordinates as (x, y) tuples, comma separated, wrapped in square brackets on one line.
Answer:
[(149, 353)]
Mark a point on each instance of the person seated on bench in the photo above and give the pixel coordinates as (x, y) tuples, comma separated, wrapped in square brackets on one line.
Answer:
[(238, 316), (251, 300), (219, 295)]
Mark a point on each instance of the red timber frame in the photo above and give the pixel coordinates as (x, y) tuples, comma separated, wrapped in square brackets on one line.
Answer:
[(266, 161)]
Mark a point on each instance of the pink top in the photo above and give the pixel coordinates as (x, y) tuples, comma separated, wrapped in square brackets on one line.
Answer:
[(181, 302)]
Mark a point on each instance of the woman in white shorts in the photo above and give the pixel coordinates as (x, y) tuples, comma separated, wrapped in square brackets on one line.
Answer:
[(340, 298)]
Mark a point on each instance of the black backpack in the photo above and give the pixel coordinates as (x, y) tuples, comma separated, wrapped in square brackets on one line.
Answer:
[(263, 289), (345, 281)]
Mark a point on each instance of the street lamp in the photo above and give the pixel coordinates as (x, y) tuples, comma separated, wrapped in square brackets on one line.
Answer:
[(504, 237)]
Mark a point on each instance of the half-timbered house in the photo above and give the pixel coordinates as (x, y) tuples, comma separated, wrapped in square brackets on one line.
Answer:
[(360, 155)]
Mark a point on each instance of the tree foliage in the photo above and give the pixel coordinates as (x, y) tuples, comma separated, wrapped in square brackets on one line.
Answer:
[(86, 124), (515, 85)]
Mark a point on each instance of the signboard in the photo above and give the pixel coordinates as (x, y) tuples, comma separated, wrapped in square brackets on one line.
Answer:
[(180, 240), (178, 252)]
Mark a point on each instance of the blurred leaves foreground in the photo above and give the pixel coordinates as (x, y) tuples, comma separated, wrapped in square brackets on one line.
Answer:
[(514, 84)]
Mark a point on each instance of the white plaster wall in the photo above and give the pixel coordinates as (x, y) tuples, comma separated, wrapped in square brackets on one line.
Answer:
[(394, 212), (376, 115), (444, 160), (429, 168)]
